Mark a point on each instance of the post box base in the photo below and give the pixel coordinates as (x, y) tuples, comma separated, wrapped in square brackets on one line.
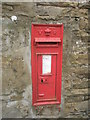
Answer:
[(46, 103)]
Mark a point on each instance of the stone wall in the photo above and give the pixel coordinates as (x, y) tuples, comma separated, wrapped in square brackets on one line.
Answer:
[(16, 58)]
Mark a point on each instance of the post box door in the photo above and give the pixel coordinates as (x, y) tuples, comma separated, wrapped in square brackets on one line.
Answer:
[(46, 68)]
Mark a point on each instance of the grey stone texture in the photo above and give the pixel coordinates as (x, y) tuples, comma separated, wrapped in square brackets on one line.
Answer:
[(16, 59)]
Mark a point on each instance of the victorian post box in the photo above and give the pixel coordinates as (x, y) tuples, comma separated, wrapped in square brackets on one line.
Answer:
[(46, 61)]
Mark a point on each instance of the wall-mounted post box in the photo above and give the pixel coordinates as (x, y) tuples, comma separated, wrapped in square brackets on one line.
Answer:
[(46, 60)]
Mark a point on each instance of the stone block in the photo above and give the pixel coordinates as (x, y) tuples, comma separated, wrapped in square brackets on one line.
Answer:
[(83, 23), (74, 98), (81, 85), (76, 107)]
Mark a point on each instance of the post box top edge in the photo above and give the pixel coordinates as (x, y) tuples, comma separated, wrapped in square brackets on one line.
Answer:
[(55, 25)]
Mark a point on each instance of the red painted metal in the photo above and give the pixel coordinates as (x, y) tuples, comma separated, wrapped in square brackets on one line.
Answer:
[(46, 41)]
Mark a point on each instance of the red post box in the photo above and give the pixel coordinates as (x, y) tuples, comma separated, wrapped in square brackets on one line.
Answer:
[(46, 60)]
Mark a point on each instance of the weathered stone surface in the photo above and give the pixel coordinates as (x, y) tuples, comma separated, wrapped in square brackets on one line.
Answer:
[(72, 91), (58, 4), (74, 98), (11, 112), (79, 13), (83, 23), (83, 84), (73, 107), (85, 5), (23, 106), (8, 7)]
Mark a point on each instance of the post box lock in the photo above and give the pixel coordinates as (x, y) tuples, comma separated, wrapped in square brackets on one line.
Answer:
[(46, 60), (43, 80)]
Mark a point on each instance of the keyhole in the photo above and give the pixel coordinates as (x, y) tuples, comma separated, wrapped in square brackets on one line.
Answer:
[(41, 80)]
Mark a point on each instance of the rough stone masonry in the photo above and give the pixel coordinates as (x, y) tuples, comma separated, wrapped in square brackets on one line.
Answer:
[(16, 58)]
